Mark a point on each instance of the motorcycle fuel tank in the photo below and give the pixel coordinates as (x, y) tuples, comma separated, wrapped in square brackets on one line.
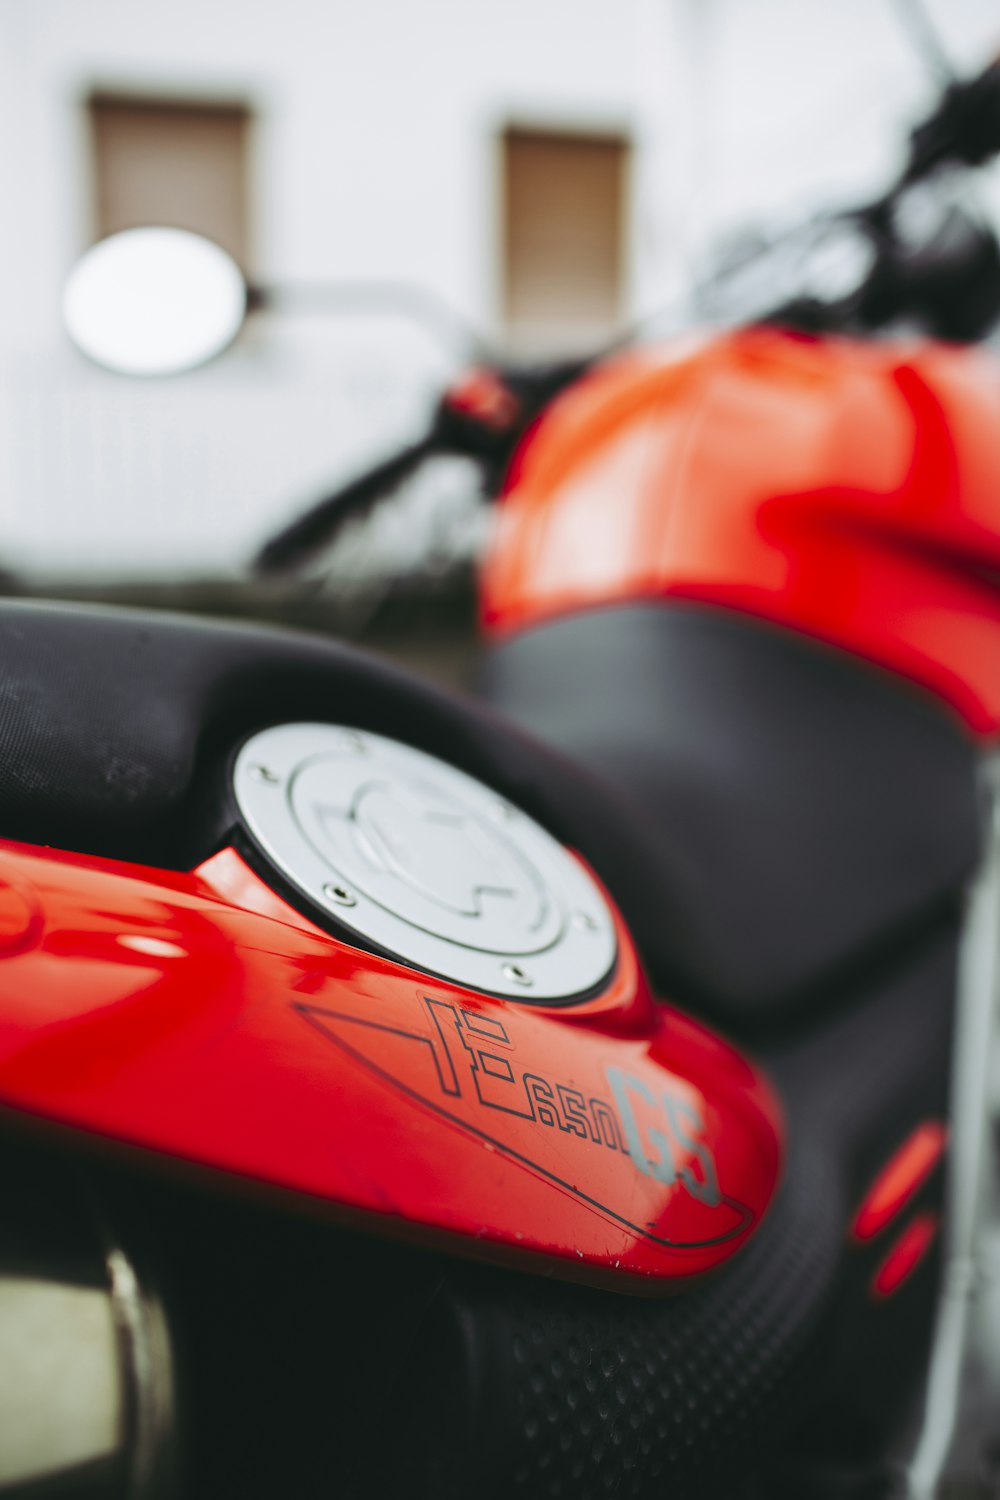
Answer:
[(206, 1020), (855, 498)]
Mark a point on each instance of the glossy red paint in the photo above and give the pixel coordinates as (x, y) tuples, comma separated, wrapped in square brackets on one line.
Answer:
[(906, 1255), (200, 1017), (482, 395), (846, 489), (901, 1177)]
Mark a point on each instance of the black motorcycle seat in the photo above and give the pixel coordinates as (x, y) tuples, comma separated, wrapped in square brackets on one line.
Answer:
[(787, 810), (760, 809), (117, 727)]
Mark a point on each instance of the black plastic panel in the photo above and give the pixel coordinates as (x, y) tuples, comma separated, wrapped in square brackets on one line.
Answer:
[(785, 810)]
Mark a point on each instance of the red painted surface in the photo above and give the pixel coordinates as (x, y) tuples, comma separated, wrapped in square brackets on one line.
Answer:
[(482, 395), (901, 1177), (198, 1016), (846, 489), (905, 1255)]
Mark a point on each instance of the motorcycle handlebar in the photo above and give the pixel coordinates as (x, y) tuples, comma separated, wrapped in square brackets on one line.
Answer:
[(964, 128), (484, 419), (309, 532)]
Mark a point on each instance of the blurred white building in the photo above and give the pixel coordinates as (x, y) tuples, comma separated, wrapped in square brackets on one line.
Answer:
[(548, 167)]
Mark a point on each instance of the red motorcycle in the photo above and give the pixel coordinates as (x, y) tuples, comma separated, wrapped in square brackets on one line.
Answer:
[(378, 1105)]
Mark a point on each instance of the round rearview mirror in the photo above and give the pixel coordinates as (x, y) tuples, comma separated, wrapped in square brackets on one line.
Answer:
[(154, 302)]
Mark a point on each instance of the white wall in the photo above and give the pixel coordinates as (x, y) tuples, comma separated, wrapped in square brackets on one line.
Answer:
[(810, 100), (375, 156)]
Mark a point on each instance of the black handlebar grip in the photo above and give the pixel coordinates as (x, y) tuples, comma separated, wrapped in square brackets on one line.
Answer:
[(313, 530), (965, 127)]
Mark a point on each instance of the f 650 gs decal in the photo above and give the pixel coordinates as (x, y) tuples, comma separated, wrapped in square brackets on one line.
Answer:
[(618, 1142), (595, 1137)]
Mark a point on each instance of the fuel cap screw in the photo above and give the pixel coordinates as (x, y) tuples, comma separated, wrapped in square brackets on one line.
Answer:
[(340, 894), (264, 773)]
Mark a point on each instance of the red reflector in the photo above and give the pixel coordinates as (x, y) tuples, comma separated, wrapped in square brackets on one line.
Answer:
[(900, 1178), (905, 1255)]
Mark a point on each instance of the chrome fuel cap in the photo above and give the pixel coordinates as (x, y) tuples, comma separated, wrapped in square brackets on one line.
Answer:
[(423, 861)]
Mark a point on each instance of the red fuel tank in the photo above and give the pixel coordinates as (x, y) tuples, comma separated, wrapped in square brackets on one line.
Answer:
[(847, 489), (200, 1018)]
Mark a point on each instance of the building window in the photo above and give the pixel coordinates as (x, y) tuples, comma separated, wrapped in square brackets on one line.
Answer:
[(564, 235), (182, 163)]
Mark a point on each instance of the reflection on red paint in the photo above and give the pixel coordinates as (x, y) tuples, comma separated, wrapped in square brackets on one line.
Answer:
[(199, 1018), (900, 1178), (905, 1255), (854, 499)]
